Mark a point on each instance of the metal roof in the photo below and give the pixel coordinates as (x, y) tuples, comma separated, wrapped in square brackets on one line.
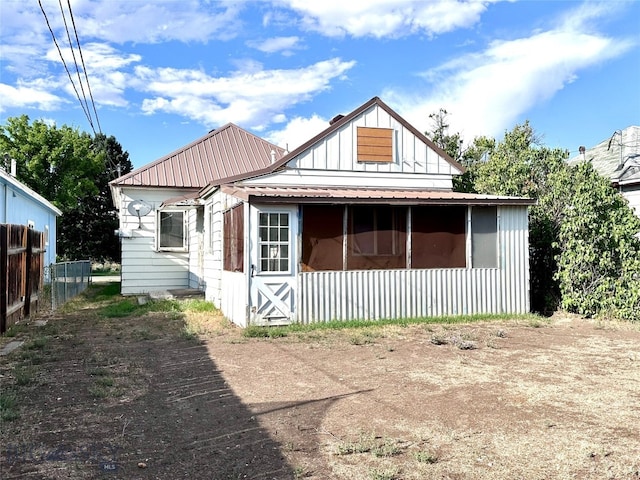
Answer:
[(226, 152), (288, 194)]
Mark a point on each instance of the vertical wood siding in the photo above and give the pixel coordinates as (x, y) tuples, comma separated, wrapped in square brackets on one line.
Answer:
[(338, 152)]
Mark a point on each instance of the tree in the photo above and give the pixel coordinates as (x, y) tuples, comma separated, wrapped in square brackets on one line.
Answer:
[(94, 213), (599, 263), (72, 170)]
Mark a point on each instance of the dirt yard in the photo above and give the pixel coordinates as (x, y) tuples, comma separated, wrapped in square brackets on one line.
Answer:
[(165, 393)]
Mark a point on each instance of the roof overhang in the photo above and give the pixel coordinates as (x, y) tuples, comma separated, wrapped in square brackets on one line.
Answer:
[(191, 199), (337, 195)]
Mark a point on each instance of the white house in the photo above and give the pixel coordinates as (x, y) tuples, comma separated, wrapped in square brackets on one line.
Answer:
[(20, 205), (360, 222)]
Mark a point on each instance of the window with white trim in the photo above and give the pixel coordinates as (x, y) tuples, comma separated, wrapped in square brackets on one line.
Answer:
[(172, 230), (274, 241)]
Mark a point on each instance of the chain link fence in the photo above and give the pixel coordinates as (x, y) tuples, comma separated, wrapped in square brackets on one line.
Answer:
[(65, 280)]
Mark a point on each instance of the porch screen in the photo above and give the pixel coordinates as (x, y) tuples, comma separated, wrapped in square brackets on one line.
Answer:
[(322, 237), (376, 237), (233, 239), (438, 237)]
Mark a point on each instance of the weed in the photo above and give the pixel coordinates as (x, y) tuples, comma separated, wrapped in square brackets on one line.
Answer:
[(15, 329), (500, 333), (365, 338), (364, 444), (119, 309), (388, 448), (264, 332), (8, 407), (425, 457), (300, 472), (439, 339), (37, 343), (23, 375), (387, 474), (99, 391), (105, 381), (188, 333)]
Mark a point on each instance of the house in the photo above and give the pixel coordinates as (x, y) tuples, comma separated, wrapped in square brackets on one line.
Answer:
[(360, 222), (20, 205), (618, 159)]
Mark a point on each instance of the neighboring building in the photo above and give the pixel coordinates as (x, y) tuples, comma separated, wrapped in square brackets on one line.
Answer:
[(618, 159), (22, 206), (360, 222)]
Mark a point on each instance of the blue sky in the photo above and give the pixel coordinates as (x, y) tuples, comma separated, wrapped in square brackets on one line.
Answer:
[(163, 73)]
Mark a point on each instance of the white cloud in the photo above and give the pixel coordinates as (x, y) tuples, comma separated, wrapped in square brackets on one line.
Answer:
[(29, 95), (286, 45), (297, 131), (250, 98), (386, 18), (486, 93)]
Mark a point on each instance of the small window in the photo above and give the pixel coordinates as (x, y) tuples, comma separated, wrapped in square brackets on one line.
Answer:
[(484, 237), (274, 242), (172, 233), (375, 144), (233, 239)]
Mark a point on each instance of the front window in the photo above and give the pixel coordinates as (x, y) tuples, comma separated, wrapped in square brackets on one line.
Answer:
[(171, 230), (274, 242)]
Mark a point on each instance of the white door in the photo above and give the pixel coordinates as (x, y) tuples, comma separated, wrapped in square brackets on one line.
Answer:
[(274, 231)]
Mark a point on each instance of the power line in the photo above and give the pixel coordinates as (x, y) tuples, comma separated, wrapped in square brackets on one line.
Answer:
[(84, 109), (84, 68)]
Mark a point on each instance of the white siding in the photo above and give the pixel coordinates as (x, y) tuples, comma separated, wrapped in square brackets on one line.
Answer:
[(143, 268), (338, 151), (632, 194)]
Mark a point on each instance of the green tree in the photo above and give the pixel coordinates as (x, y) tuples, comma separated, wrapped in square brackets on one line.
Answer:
[(72, 170), (599, 263)]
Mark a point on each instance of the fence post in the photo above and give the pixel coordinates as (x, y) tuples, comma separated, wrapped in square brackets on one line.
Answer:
[(4, 268), (28, 287)]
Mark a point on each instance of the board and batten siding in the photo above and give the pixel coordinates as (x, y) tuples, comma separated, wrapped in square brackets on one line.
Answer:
[(144, 269), (338, 151), (378, 294)]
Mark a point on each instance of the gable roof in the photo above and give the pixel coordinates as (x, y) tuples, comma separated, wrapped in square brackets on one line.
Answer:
[(617, 157), (339, 121), (228, 151), (8, 179)]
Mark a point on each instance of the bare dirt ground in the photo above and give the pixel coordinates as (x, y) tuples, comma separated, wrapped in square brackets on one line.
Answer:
[(175, 394)]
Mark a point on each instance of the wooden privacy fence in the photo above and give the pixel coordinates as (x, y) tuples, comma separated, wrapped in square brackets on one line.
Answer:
[(22, 268)]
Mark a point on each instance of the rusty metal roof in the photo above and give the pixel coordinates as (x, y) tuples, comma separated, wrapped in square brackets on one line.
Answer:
[(226, 152), (288, 194)]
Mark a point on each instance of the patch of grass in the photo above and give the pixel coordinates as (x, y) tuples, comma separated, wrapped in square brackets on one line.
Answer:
[(364, 338), (16, 329), (120, 309), (256, 331), (105, 381), (388, 448), (384, 474), (24, 375), (107, 291), (201, 306), (38, 343), (364, 444), (99, 391), (8, 407), (439, 339), (425, 457)]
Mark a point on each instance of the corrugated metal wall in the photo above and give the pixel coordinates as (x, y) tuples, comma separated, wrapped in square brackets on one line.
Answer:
[(377, 294)]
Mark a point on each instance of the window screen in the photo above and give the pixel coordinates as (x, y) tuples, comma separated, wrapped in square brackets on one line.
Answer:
[(274, 242), (484, 237), (233, 239), (376, 237), (438, 237), (322, 229), (172, 230)]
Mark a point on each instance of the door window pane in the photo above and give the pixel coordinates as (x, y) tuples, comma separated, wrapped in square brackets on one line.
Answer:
[(274, 242)]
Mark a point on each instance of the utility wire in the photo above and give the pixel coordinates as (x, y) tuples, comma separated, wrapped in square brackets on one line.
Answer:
[(86, 112), (75, 62), (84, 68)]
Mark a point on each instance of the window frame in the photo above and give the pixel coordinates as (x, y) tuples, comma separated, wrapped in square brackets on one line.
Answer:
[(474, 236), (269, 243), (185, 230)]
